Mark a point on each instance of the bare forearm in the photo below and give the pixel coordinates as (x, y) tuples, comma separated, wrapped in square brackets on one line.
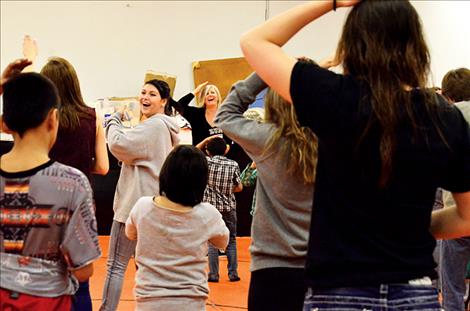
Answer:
[(450, 223), (84, 273), (279, 29)]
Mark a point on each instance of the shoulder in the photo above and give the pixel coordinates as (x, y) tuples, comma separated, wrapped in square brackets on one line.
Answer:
[(68, 173), (464, 107), (304, 73), (206, 210), (91, 111), (162, 119), (231, 162), (142, 205)]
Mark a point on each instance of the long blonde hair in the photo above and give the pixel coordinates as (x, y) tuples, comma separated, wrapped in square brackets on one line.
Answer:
[(200, 100), (300, 145)]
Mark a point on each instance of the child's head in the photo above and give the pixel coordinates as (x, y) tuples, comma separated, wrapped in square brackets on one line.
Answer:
[(216, 146), (30, 100), (456, 85), (183, 177)]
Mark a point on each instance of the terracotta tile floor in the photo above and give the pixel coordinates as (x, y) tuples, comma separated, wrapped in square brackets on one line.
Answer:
[(225, 295)]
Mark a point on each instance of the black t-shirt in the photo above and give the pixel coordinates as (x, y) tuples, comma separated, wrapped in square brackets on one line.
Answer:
[(360, 234), (200, 128)]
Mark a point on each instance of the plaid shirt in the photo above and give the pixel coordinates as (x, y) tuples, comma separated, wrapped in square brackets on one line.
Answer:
[(224, 174)]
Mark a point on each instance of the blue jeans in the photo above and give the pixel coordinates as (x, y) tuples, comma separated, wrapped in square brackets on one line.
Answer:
[(453, 268), (120, 252), (230, 219), (396, 297)]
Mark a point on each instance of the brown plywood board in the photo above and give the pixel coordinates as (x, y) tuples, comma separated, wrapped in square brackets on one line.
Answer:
[(168, 78), (221, 72)]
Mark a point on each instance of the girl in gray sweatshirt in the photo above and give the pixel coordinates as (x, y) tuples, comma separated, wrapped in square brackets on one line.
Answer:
[(142, 151), (285, 157)]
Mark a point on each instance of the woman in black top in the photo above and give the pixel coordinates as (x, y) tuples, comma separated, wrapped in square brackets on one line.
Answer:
[(385, 145), (202, 116)]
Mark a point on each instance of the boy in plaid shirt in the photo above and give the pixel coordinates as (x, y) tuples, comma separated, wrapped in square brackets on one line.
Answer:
[(224, 181)]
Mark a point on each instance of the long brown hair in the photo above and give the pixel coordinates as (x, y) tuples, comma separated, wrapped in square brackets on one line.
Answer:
[(62, 73), (382, 44), (300, 145)]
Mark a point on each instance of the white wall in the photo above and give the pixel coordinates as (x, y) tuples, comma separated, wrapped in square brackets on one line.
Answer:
[(112, 43)]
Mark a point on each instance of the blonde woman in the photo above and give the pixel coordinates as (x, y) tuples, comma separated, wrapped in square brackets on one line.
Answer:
[(202, 116), (285, 156)]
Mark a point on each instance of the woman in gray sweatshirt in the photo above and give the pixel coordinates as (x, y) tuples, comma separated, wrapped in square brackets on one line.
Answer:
[(285, 156), (142, 151)]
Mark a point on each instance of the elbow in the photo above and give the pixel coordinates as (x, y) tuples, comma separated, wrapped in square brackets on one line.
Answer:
[(131, 237), (245, 42), (101, 169), (84, 273), (130, 234)]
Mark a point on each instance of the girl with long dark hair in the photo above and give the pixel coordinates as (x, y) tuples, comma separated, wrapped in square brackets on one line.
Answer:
[(386, 144)]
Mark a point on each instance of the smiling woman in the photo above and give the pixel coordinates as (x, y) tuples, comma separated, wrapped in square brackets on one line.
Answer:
[(142, 150), (155, 98), (202, 116)]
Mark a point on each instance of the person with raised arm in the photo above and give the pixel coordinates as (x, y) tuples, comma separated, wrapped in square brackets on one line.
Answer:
[(386, 143)]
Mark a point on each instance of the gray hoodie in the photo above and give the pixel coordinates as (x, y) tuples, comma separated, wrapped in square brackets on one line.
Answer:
[(142, 151), (281, 221)]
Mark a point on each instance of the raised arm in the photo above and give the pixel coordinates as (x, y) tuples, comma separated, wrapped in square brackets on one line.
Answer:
[(262, 46), (14, 68), (184, 101), (30, 52), (131, 144), (249, 134), (101, 164)]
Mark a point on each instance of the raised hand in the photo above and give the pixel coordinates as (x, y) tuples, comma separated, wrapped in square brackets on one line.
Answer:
[(330, 61), (346, 3), (199, 88), (30, 48), (13, 69)]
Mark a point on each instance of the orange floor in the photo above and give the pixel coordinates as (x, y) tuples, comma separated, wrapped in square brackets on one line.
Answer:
[(225, 295)]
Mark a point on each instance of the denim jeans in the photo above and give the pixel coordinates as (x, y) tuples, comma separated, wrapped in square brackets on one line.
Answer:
[(120, 252), (393, 297), (230, 219), (453, 268)]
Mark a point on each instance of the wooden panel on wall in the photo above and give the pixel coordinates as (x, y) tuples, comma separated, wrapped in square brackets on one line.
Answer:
[(168, 78), (221, 72)]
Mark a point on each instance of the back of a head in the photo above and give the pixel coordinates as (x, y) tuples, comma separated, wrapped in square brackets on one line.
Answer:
[(216, 146), (382, 45), (64, 76), (385, 38), (27, 99), (183, 177), (456, 85)]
